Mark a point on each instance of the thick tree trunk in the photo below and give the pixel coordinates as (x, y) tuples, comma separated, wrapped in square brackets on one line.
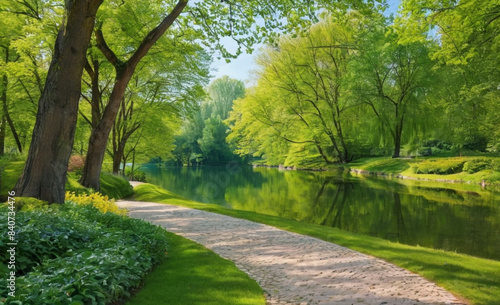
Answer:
[(124, 71), (44, 174)]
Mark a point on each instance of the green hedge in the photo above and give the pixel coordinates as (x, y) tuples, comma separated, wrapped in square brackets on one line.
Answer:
[(439, 167), (69, 254)]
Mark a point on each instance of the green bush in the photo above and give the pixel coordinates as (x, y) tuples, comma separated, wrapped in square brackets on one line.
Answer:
[(439, 167), (115, 187), (476, 165), (74, 254), (136, 176), (495, 164)]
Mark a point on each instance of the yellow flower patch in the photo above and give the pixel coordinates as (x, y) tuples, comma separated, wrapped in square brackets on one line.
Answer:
[(102, 203)]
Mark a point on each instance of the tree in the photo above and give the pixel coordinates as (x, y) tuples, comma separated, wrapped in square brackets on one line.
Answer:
[(304, 79), (203, 134), (393, 79), (468, 34), (23, 48), (53, 135), (44, 174)]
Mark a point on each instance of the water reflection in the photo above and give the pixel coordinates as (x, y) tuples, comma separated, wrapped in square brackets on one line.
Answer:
[(460, 218)]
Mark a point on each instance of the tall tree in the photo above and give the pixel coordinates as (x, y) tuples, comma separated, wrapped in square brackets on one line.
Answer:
[(305, 77), (468, 35), (45, 171), (393, 79), (44, 174)]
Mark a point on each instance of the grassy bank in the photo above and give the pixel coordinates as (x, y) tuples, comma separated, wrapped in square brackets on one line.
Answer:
[(193, 274), (112, 186), (474, 279), (475, 170)]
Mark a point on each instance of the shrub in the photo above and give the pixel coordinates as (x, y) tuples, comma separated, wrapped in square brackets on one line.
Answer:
[(29, 204), (495, 165), (74, 254), (476, 165), (115, 187), (100, 202), (439, 167), (137, 175), (76, 163)]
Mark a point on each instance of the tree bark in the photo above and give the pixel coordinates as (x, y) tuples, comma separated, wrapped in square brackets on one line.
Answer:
[(6, 115), (124, 71), (397, 138), (2, 135), (44, 174)]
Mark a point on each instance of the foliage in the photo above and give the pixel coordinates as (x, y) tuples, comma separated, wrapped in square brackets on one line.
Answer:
[(439, 167), (93, 258), (301, 99), (202, 137), (476, 165), (100, 202), (76, 163), (115, 186)]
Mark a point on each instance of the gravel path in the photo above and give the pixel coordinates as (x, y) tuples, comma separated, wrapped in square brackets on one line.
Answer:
[(293, 268)]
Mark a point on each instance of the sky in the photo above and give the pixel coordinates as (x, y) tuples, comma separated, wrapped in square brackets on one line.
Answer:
[(241, 67)]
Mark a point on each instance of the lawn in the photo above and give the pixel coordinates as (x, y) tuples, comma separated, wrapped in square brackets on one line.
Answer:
[(193, 274)]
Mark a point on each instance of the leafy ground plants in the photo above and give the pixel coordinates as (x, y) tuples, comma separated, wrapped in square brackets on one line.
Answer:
[(75, 254)]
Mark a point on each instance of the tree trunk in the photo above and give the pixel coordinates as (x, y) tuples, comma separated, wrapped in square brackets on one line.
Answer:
[(2, 135), (5, 82), (44, 174), (124, 71), (397, 139)]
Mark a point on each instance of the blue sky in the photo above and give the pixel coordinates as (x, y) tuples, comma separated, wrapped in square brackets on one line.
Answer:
[(241, 67)]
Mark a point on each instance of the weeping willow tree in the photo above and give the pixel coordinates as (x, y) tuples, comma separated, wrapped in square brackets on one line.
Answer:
[(301, 98)]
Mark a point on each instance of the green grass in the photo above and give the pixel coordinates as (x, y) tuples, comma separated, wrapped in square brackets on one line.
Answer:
[(113, 186), (10, 173), (194, 275), (471, 278), (407, 168)]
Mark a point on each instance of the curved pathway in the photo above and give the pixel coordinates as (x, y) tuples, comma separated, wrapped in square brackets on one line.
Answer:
[(293, 268)]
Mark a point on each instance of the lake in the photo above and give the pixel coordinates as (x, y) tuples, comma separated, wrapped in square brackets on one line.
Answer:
[(453, 217)]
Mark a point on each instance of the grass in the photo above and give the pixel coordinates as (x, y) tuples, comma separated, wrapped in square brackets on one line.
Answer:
[(113, 186), (406, 168), (474, 279), (194, 275)]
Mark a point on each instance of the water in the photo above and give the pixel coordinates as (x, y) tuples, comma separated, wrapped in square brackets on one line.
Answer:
[(452, 217)]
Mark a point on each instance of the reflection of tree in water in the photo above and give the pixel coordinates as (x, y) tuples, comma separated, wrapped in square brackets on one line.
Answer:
[(333, 215), (336, 202), (368, 205), (401, 233)]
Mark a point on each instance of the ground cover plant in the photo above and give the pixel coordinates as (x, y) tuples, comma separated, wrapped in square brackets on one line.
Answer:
[(75, 254), (474, 279)]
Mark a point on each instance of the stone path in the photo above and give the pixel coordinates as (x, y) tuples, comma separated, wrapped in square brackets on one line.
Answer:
[(293, 268)]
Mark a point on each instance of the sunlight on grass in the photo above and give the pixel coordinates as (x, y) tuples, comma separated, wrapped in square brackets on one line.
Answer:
[(471, 278), (194, 275)]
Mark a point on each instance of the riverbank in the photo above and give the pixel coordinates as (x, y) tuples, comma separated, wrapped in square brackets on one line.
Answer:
[(484, 171), (480, 170), (293, 268), (471, 278)]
